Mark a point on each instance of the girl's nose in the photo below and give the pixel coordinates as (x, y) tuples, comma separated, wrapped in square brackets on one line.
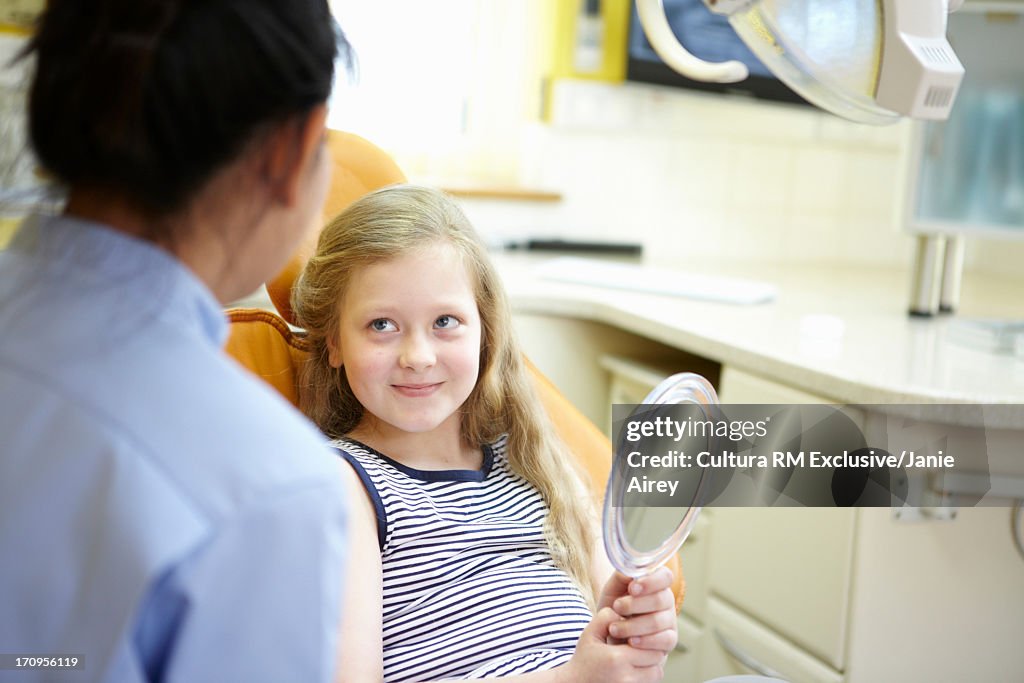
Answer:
[(417, 353)]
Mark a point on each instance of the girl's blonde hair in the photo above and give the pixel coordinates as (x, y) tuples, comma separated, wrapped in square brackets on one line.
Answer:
[(395, 221)]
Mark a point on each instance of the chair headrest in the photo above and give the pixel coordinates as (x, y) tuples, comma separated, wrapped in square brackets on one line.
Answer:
[(359, 167)]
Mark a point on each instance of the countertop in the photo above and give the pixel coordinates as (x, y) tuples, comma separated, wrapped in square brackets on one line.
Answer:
[(840, 332)]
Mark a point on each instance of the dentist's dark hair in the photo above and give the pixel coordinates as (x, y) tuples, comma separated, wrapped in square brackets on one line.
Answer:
[(147, 99)]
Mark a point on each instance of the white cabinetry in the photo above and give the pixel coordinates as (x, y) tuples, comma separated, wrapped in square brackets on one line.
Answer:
[(866, 596), (737, 644), (843, 595), (789, 568), (776, 582), (817, 595), (813, 595)]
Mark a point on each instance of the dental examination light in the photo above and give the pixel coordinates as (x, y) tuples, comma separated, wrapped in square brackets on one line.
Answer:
[(872, 61)]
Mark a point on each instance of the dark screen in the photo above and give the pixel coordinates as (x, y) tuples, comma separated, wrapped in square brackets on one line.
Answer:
[(706, 35)]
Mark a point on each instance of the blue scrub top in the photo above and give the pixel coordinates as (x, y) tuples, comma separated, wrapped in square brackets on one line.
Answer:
[(163, 514)]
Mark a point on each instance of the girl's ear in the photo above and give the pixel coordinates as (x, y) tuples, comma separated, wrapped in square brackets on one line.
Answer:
[(333, 352)]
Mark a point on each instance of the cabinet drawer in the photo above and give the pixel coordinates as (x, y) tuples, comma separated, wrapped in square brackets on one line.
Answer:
[(735, 644), (790, 568), (631, 381), (742, 387)]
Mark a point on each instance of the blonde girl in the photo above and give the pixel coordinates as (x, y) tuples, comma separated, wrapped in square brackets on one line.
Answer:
[(483, 526)]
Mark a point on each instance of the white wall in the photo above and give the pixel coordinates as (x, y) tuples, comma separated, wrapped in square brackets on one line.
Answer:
[(696, 176), (690, 175)]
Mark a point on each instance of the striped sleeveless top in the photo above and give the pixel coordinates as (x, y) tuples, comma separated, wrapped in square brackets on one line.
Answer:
[(470, 587)]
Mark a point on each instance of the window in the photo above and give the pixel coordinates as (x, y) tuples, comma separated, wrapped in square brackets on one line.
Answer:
[(446, 87)]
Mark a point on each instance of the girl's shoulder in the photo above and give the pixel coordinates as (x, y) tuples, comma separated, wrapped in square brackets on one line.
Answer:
[(353, 450)]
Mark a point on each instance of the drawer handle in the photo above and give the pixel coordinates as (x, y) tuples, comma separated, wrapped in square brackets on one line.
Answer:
[(744, 658)]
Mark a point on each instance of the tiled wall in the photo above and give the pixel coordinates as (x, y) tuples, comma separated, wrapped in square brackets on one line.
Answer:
[(696, 176)]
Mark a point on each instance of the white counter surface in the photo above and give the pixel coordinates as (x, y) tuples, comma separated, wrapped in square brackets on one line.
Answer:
[(838, 332)]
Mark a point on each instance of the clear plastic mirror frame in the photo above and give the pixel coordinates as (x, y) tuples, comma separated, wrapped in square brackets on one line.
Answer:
[(679, 388)]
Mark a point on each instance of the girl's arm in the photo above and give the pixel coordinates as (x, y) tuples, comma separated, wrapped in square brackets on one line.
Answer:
[(360, 650), (597, 661)]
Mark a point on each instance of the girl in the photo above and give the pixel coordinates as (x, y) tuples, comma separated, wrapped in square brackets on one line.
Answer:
[(484, 528)]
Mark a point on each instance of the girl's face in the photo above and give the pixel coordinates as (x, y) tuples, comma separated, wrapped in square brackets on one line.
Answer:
[(409, 340)]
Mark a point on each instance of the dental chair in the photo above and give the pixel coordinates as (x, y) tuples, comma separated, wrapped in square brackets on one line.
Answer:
[(268, 345)]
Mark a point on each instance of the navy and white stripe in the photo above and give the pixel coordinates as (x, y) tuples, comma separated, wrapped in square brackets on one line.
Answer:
[(470, 587)]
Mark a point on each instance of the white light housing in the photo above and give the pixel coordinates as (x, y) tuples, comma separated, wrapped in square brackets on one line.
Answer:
[(672, 52), (920, 72), (867, 60)]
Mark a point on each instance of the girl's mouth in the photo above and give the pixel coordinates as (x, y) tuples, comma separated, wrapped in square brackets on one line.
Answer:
[(416, 390)]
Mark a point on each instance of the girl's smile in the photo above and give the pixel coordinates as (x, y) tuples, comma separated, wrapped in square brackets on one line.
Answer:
[(416, 390)]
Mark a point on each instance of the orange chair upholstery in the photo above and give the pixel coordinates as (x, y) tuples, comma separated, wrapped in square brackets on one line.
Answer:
[(267, 344), (262, 342)]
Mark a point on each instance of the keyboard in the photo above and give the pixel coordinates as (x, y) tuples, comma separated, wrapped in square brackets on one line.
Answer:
[(650, 280)]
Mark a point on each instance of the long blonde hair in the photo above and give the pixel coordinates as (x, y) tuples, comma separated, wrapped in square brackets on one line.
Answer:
[(394, 221)]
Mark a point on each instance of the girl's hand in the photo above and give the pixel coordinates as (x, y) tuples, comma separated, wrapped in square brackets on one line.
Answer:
[(597, 660), (646, 607)]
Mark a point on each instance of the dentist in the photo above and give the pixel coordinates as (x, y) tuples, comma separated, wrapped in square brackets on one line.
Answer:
[(164, 516)]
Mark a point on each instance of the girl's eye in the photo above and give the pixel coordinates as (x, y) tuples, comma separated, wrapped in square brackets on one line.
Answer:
[(446, 322), (382, 325)]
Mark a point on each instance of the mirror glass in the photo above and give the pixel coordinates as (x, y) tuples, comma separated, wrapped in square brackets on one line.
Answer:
[(651, 503)]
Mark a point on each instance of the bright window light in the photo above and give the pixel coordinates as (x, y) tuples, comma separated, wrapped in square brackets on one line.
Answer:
[(414, 63)]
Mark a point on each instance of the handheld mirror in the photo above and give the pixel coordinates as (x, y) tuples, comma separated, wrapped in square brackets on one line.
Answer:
[(646, 518)]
